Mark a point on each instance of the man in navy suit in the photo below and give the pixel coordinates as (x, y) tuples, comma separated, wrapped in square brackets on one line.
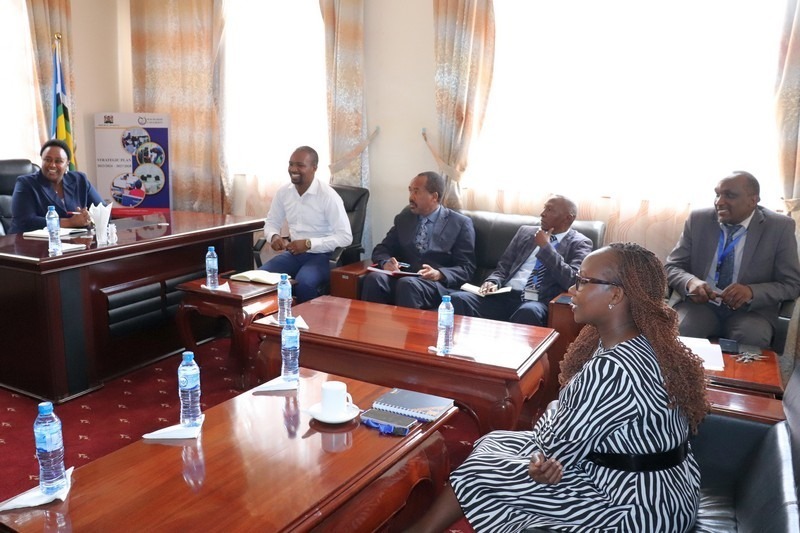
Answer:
[(733, 265), (428, 239), (69, 191), (544, 260)]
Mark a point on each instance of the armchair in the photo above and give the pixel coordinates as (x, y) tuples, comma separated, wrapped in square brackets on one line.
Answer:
[(10, 170), (355, 205)]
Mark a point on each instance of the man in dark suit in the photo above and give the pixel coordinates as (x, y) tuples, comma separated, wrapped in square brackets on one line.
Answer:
[(429, 239), (733, 265), (538, 264)]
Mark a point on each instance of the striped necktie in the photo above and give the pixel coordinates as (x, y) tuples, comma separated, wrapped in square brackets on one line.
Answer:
[(535, 279), (726, 265)]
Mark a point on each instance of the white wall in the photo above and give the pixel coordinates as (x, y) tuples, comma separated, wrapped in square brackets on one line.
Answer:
[(399, 87)]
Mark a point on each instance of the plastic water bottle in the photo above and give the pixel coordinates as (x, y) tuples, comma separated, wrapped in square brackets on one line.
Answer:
[(53, 231), (290, 351), (284, 299), (49, 450), (444, 343), (212, 269), (189, 390)]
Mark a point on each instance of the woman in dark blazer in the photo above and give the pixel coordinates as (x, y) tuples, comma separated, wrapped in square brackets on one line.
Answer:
[(69, 191)]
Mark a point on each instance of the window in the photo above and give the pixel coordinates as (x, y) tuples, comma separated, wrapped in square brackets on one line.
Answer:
[(275, 86), (629, 99)]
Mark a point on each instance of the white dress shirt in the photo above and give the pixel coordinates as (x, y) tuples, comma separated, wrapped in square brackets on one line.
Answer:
[(317, 215)]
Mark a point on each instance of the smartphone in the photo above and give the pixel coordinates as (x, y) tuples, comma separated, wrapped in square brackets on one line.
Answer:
[(389, 423), (729, 345)]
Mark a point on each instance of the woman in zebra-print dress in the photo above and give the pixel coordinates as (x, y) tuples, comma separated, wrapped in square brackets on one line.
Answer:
[(631, 394)]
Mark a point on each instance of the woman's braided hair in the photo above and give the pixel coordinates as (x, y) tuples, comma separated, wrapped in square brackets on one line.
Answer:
[(643, 279)]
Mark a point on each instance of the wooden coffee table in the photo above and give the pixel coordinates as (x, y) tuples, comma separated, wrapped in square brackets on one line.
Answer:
[(240, 305), (260, 464), (494, 369)]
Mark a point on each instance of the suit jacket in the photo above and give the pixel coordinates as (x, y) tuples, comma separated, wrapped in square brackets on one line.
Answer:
[(451, 250), (769, 263), (561, 263), (33, 193)]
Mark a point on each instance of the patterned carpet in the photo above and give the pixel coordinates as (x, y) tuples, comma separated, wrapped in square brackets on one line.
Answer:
[(125, 408)]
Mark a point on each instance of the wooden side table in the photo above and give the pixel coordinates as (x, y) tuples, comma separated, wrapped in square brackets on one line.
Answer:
[(242, 304), (346, 280)]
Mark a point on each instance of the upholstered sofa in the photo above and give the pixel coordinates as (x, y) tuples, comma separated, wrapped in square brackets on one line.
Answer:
[(10, 169), (493, 233)]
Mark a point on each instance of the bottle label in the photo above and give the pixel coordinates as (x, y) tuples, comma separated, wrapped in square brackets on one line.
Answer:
[(189, 381), (49, 440)]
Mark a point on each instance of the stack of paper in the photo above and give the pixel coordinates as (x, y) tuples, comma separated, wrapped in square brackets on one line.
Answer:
[(711, 354)]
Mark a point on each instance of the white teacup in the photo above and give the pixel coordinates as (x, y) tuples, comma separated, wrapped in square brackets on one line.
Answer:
[(336, 401), (337, 442)]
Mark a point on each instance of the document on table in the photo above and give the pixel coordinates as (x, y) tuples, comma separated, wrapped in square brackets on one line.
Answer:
[(711, 354)]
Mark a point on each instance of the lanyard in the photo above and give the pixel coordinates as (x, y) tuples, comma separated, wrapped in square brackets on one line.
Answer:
[(722, 254)]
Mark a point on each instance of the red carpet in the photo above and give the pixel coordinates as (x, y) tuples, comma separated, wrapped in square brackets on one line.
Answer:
[(125, 408)]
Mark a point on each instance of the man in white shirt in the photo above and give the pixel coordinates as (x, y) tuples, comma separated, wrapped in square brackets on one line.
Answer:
[(317, 223), (733, 265)]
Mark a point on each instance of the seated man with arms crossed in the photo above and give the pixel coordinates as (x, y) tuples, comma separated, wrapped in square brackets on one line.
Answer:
[(733, 265), (538, 264), (317, 222), (432, 240)]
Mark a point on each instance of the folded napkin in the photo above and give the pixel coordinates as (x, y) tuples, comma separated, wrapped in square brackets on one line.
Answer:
[(35, 496), (224, 287), (100, 214), (176, 432), (277, 384), (272, 320)]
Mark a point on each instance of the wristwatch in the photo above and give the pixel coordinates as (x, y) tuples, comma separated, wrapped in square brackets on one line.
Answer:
[(308, 244)]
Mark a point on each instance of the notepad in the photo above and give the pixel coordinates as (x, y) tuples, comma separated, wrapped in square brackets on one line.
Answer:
[(258, 276), (425, 407), (44, 234), (474, 289)]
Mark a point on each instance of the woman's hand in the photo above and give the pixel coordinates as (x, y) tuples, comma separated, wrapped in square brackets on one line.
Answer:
[(544, 470)]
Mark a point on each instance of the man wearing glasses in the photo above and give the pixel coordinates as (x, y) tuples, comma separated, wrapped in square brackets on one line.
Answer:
[(538, 264), (733, 265)]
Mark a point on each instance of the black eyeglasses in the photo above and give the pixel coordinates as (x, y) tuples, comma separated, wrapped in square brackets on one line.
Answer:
[(580, 281)]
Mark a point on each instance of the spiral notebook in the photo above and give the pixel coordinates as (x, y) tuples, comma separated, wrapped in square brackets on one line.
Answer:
[(425, 407)]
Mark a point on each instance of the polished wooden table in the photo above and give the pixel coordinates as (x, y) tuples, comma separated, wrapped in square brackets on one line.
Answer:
[(494, 369), (68, 323), (757, 377), (240, 304), (260, 464)]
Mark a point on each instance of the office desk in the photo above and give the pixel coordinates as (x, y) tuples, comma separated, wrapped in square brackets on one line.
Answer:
[(494, 369), (260, 464), (70, 322)]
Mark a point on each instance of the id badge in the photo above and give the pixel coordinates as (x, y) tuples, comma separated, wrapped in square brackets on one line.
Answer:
[(531, 295)]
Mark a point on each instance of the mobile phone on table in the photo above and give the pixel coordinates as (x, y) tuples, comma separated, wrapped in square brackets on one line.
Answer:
[(389, 423), (728, 345)]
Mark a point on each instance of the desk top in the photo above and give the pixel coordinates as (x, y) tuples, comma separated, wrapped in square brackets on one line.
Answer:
[(135, 235), (260, 464), (759, 376), (497, 348)]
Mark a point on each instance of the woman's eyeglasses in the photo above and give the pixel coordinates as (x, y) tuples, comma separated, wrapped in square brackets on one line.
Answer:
[(581, 281)]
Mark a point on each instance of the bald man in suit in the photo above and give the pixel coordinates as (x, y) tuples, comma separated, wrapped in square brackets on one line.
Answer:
[(733, 265)]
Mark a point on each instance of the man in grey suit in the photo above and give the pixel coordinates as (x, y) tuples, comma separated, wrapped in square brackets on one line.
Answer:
[(429, 240), (733, 265), (538, 264)]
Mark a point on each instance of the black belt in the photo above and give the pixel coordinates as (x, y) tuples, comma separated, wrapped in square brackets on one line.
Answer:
[(646, 462)]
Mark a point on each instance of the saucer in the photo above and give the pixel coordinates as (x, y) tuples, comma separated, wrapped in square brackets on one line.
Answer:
[(316, 412)]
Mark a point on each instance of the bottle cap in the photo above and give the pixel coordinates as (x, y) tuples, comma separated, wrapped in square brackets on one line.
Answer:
[(188, 357), (284, 277), (210, 248), (45, 408), (446, 298), (290, 321)]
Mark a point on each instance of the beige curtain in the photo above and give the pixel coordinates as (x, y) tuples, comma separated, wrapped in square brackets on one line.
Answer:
[(347, 121), (47, 18), (787, 107), (464, 56), (175, 50)]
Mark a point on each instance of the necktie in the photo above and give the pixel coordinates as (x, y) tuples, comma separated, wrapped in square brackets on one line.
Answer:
[(535, 279), (725, 268), (421, 240)]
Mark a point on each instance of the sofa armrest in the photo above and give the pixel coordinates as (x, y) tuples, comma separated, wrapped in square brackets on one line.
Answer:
[(346, 280)]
